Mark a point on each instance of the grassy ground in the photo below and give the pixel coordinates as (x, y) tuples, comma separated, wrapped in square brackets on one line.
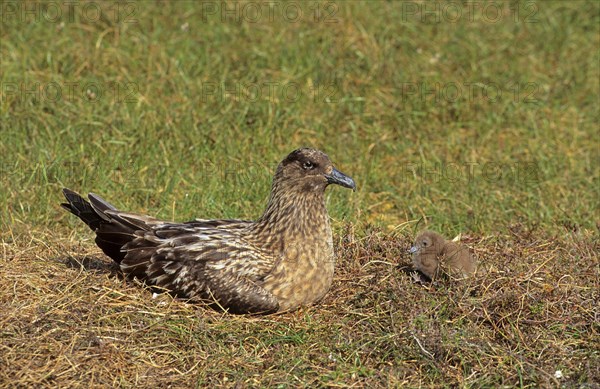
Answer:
[(473, 118)]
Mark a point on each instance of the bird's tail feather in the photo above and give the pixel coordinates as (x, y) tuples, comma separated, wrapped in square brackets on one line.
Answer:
[(82, 208), (113, 228)]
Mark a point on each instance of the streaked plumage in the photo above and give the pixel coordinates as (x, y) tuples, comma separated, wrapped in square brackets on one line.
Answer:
[(278, 263), (431, 251)]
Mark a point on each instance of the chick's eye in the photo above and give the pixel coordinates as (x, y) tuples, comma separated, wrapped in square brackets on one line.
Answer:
[(308, 165)]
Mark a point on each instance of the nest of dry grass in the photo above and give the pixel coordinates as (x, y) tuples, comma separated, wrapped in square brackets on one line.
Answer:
[(530, 318)]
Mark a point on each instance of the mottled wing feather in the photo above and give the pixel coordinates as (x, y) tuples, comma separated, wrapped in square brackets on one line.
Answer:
[(239, 294), (230, 224), (202, 263), (134, 220), (195, 280)]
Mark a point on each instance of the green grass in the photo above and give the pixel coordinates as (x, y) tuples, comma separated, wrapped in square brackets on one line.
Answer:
[(157, 130), (159, 113)]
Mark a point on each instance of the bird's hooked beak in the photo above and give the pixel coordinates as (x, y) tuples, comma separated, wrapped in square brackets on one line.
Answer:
[(413, 249), (339, 178)]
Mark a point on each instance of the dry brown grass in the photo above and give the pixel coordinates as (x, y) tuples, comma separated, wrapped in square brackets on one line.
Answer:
[(68, 320)]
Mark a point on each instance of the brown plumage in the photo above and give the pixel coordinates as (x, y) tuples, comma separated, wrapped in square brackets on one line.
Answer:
[(431, 251), (280, 262)]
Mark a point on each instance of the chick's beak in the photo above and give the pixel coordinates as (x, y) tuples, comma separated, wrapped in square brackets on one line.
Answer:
[(413, 249), (339, 178)]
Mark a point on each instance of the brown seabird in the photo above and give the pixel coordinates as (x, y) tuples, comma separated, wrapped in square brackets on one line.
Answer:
[(280, 262)]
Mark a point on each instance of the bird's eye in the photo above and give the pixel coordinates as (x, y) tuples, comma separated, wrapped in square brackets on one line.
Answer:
[(308, 165), (424, 243)]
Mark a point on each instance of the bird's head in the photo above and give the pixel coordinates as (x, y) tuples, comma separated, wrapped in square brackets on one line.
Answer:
[(428, 242), (310, 170)]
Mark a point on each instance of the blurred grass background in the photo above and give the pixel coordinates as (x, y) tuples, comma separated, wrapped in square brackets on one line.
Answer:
[(472, 117)]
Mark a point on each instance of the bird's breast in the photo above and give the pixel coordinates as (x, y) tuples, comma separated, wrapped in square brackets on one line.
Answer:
[(304, 271)]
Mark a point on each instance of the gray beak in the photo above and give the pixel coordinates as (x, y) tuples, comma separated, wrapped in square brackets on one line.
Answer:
[(339, 178), (413, 249)]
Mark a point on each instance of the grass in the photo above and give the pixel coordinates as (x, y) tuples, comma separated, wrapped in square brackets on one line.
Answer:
[(485, 125), (533, 310)]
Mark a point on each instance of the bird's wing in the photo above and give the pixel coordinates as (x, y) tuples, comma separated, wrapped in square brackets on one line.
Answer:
[(202, 263), (230, 224)]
